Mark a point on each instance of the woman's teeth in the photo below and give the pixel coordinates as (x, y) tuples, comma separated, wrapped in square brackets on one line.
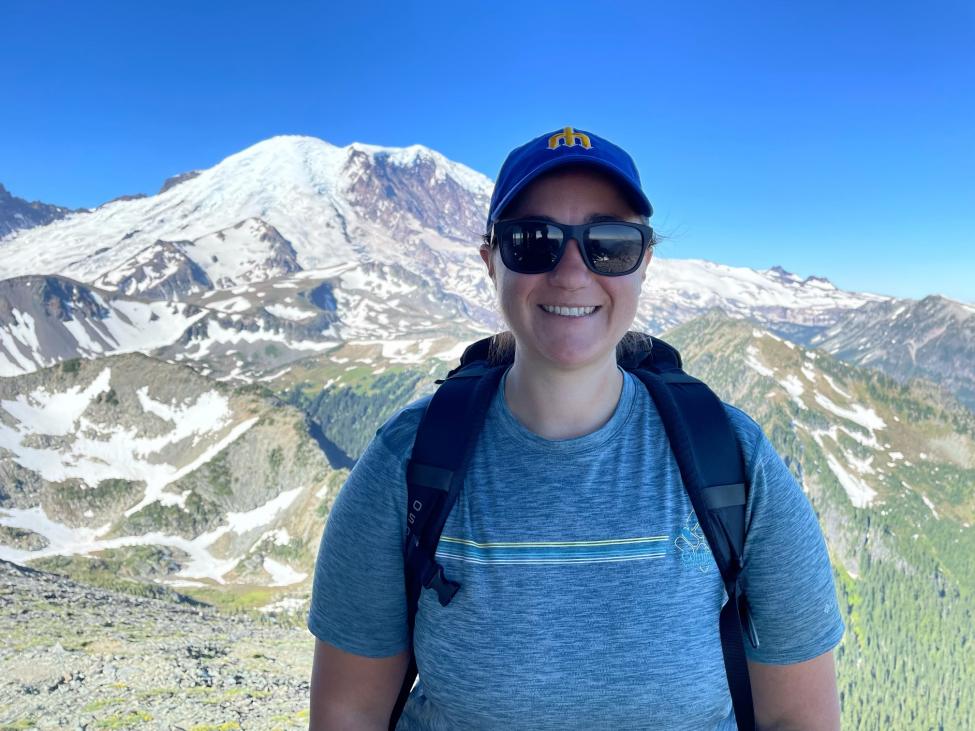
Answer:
[(569, 311)]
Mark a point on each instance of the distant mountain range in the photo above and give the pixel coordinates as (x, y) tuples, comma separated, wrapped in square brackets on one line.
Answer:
[(186, 377), (362, 222)]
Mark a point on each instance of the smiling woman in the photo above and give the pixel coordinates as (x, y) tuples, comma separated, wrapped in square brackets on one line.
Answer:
[(582, 590)]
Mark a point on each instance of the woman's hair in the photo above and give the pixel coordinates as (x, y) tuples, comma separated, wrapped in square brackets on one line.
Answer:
[(502, 347)]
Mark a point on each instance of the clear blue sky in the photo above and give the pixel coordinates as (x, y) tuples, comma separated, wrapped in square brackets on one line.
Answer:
[(832, 138)]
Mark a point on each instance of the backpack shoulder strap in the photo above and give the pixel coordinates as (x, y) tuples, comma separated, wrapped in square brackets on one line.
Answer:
[(435, 472), (709, 458)]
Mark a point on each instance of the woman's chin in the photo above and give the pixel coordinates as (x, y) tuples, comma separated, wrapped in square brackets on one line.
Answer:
[(570, 355)]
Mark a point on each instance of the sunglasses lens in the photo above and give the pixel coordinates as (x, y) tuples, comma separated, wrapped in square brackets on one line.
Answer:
[(614, 248), (530, 247)]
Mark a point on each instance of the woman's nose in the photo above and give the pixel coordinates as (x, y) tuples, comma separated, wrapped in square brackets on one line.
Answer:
[(571, 271)]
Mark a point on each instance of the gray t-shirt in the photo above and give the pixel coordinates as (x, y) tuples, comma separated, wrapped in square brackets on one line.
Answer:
[(589, 597)]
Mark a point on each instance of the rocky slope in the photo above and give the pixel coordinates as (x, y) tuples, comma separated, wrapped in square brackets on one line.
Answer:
[(161, 472), (889, 469), (79, 657), (49, 319)]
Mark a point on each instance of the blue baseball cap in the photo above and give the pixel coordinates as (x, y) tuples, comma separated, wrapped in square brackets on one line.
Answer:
[(567, 146)]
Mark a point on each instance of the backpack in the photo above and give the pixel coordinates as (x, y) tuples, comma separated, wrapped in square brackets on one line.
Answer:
[(700, 435)]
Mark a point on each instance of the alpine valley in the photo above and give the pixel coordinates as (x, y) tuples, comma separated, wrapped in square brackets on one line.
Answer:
[(187, 377)]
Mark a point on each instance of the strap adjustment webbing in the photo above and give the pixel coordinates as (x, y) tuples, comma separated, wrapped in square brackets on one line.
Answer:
[(429, 476), (724, 496)]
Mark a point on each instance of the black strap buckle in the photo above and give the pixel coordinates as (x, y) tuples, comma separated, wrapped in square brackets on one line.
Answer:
[(444, 587)]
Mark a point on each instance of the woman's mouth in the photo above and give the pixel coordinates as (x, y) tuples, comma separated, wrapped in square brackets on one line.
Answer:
[(569, 311)]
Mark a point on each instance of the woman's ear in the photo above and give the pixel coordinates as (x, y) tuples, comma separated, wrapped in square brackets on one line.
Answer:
[(487, 255)]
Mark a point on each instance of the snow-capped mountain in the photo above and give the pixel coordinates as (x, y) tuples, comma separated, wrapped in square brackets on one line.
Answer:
[(329, 206), (678, 290), (334, 205)]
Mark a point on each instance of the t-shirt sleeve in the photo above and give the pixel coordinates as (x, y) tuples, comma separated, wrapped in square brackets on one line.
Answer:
[(358, 601), (787, 577)]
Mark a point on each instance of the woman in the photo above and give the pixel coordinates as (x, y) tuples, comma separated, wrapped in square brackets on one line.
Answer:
[(585, 602)]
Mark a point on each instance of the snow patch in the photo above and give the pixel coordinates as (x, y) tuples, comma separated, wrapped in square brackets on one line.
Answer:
[(451, 355), (55, 414), (295, 314), (217, 334), (794, 388), (840, 391), (279, 536), (865, 417), (282, 574), (22, 329), (203, 564), (242, 522), (860, 494), (289, 604), (273, 376), (752, 361), (232, 305), (208, 413)]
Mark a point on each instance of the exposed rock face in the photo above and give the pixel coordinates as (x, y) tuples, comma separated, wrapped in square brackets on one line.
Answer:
[(17, 214), (126, 197), (250, 251), (26, 540), (44, 316), (47, 319), (177, 179), (162, 271), (406, 194)]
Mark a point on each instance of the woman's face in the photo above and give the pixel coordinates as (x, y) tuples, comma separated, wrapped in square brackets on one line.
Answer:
[(544, 337)]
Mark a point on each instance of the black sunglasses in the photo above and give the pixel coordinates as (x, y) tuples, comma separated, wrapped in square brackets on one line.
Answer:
[(609, 248)]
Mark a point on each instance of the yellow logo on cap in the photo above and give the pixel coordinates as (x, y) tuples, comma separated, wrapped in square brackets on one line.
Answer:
[(570, 138)]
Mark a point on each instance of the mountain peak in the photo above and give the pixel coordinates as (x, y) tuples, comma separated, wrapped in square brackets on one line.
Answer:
[(818, 281), (783, 274)]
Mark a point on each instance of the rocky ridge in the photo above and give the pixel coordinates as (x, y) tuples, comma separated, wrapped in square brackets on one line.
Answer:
[(17, 214), (933, 338)]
